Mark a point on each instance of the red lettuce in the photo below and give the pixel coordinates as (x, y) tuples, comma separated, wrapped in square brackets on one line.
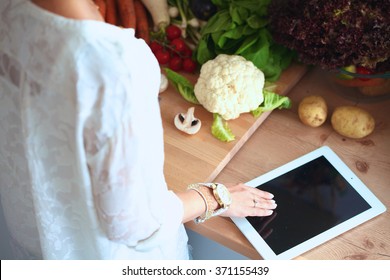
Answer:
[(334, 33)]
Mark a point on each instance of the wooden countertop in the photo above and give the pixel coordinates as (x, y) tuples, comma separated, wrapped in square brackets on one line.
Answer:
[(282, 138), (200, 157)]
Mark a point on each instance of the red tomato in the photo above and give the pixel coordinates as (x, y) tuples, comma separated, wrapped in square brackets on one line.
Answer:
[(176, 63), (187, 52), (189, 65), (163, 56), (178, 44), (173, 32), (155, 46)]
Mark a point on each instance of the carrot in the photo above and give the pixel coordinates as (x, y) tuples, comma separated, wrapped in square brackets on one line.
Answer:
[(142, 24), (111, 12), (127, 13), (101, 4)]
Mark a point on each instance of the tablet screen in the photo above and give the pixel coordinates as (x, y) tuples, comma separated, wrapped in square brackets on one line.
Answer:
[(311, 199)]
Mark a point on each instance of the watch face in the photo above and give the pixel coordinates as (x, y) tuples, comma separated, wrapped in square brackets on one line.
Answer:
[(224, 194)]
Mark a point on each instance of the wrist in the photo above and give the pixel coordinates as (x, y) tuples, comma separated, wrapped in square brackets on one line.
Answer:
[(216, 197)]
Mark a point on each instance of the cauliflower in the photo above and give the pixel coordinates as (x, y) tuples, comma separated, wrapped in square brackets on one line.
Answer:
[(229, 85)]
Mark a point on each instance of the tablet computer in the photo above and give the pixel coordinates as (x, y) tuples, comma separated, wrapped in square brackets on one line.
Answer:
[(318, 198)]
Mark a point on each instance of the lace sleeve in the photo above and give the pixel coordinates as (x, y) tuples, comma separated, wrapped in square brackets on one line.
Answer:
[(114, 161), (123, 139)]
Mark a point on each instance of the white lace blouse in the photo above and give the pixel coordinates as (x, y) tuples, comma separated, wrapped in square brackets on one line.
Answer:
[(81, 142)]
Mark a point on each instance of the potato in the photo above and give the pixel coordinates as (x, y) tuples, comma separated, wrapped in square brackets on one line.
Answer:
[(352, 122), (312, 110)]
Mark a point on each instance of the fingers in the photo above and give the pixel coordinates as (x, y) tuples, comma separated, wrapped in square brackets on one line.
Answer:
[(262, 207), (260, 212), (261, 194), (249, 201), (263, 199), (264, 204)]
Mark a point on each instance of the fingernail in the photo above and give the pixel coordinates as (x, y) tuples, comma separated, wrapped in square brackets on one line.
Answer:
[(269, 212)]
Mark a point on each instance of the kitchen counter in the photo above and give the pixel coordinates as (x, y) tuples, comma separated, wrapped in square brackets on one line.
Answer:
[(282, 138)]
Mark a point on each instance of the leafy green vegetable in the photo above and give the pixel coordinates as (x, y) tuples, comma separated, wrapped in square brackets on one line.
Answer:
[(241, 27), (272, 101), (220, 129), (334, 33), (182, 85)]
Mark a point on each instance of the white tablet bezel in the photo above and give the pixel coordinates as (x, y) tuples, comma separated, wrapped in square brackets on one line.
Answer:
[(376, 206)]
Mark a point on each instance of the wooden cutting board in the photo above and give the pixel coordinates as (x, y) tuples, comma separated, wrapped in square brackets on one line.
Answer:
[(200, 157)]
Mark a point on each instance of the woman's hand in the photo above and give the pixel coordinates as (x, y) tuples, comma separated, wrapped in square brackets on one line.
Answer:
[(249, 201), (246, 201)]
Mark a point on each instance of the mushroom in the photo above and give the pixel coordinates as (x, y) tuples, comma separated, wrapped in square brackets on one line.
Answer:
[(187, 122)]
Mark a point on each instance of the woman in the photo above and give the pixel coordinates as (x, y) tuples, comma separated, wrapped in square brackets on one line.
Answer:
[(81, 148)]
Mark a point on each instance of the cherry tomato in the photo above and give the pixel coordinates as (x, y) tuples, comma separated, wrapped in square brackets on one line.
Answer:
[(173, 32), (187, 52), (176, 63), (178, 44), (155, 46), (189, 65), (163, 56)]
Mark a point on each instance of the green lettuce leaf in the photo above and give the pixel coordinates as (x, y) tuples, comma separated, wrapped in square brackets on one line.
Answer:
[(240, 27), (272, 101), (182, 85), (221, 130)]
